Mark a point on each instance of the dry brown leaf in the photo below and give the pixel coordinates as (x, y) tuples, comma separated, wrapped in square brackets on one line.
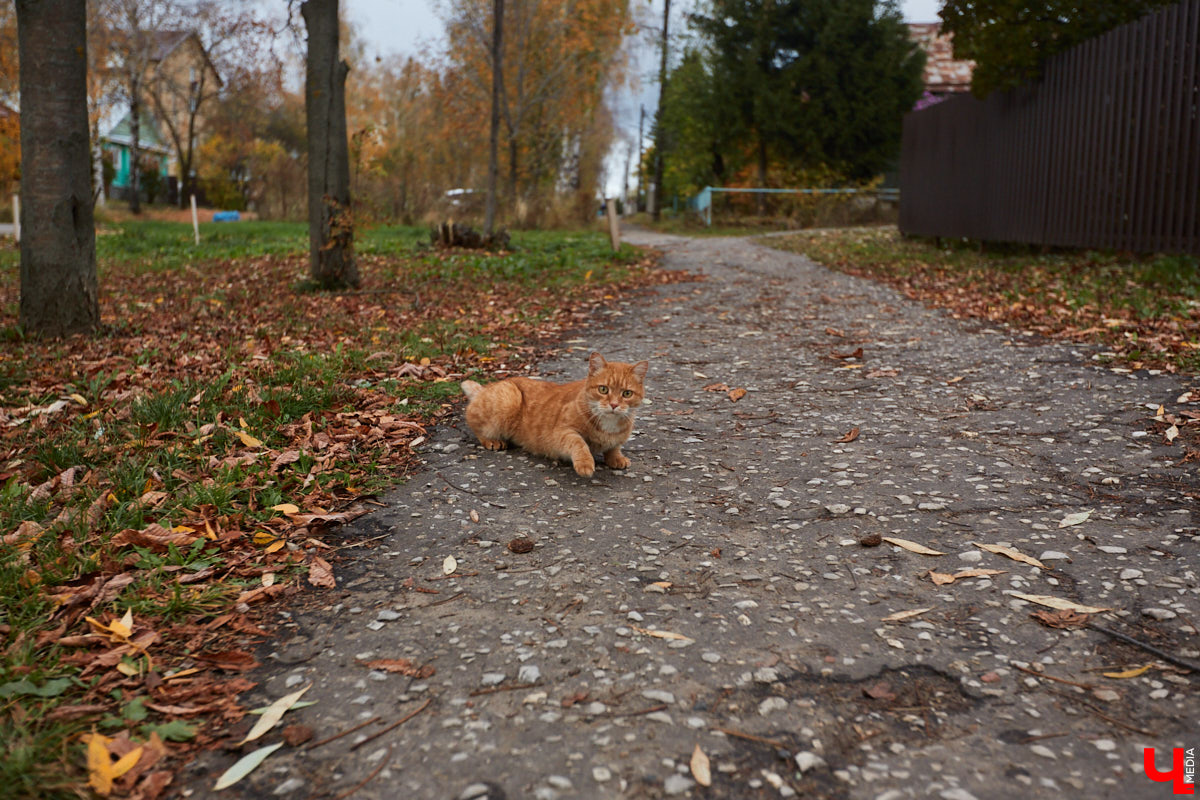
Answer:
[(1065, 620), (737, 394), (856, 354), (320, 573), (849, 436), (154, 537), (912, 546), (404, 666), (716, 387), (1012, 553), (941, 578)]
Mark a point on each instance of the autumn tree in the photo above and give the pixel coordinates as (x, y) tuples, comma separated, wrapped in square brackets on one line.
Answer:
[(134, 27), (331, 226), (1010, 40), (58, 244), (10, 131)]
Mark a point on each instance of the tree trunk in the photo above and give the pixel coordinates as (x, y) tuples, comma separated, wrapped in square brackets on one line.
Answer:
[(135, 146), (659, 139), (330, 223), (489, 218), (58, 239)]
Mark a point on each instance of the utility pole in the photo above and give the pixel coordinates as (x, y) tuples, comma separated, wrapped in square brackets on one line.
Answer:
[(641, 169), (656, 211)]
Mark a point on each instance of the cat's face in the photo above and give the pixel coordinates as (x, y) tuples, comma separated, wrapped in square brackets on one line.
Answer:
[(614, 389)]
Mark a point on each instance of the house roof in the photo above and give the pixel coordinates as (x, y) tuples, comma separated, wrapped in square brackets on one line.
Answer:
[(166, 42), (149, 139), (943, 72)]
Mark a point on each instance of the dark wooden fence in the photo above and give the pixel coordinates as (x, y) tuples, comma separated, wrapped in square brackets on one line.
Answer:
[(1104, 152)]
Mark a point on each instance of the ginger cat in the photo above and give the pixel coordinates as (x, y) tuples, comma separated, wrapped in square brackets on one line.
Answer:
[(561, 420)]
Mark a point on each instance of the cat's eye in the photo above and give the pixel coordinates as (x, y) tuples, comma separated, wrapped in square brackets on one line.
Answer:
[(602, 389), (627, 393)]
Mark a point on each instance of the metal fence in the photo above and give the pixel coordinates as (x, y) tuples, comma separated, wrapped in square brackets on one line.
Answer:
[(1104, 152)]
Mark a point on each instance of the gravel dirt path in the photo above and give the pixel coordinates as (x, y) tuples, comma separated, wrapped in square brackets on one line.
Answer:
[(721, 593)]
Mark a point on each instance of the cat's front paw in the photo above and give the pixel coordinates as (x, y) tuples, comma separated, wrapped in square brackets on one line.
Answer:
[(616, 460), (585, 468), (494, 444)]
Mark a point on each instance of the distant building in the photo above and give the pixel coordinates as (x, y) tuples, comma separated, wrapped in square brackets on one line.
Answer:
[(945, 76)]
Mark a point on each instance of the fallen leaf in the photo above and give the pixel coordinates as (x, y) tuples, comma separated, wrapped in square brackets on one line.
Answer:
[(701, 767), (449, 565), (1172, 432), (1129, 673), (100, 771), (286, 508), (403, 666), (941, 578), (954, 380), (154, 537), (320, 573), (296, 735), (856, 354), (849, 436), (834, 332), (912, 546), (1015, 555), (879, 691), (737, 394), (273, 713), (1075, 519), (247, 439), (977, 573), (521, 544), (716, 387), (899, 615), (1059, 603), (661, 634), (244, 766)]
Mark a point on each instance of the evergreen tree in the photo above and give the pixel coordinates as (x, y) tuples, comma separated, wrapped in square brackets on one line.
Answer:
[(812, 82), (1010, 40)]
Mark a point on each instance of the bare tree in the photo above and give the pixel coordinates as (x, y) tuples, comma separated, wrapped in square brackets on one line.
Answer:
[(489, 219), (58, 242), (656, 211), (134, 26), (330, 223)]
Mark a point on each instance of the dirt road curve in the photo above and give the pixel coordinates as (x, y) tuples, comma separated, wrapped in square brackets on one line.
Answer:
[(718, 593)]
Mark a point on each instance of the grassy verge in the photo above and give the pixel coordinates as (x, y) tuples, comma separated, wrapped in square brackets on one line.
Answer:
[(1144, 311), (185, 463)]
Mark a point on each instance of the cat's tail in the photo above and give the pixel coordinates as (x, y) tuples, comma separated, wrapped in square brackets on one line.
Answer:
[(470, 388)]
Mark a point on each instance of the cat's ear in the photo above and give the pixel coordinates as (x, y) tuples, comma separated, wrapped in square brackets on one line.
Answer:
[(596, 363), (639, 369)]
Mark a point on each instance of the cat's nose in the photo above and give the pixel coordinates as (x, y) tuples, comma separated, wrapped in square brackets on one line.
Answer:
[(614, 406)]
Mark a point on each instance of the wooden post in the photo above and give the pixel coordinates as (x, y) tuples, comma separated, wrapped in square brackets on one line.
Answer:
[(614, 232), (195, 221), (17, 218)]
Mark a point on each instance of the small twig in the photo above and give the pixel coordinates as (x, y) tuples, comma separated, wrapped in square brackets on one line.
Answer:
[(1102, 715), (383, 762), (453, 575), (494, 689), (468, 491), (750, 737), (391, 727), (346, 732), (443, 600), (649, 710), (1039, 737), (361, 543), (1149, 648), (1051, 677)]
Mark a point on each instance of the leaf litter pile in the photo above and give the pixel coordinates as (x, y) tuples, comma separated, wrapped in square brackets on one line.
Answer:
[(160, 480)]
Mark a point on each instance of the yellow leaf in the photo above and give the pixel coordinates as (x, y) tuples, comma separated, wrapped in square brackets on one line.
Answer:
[(661, 634), (149, 485), (128, 670), (1129, 673), (1015, 555), (242, 422), (275, 546), (1059, 603), (587, 276), (900, 615), (701, 768), (912, 547), (78, 398), (127, 761), (100, 771), (125, 626), (248, 440), (941, 578), (424, 362), (262, 538), (286, 508)]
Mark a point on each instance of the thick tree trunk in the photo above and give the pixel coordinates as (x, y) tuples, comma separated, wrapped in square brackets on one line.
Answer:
[(58, 240), (489, 218), (330, 223)]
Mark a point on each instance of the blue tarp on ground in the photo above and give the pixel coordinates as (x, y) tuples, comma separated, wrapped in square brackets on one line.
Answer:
[(226, 216)]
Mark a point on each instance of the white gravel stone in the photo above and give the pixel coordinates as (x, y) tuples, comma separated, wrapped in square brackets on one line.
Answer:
[(1130, 574), (1054, 555), (601, 774), (659, 695), (771, 705), (529, 673), (806, 760), (837, 509), (1159, 613), (1104, 745), (677, 784), (287, 787), (387, 615), (957, 793), (492, 678), (971, 556)]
